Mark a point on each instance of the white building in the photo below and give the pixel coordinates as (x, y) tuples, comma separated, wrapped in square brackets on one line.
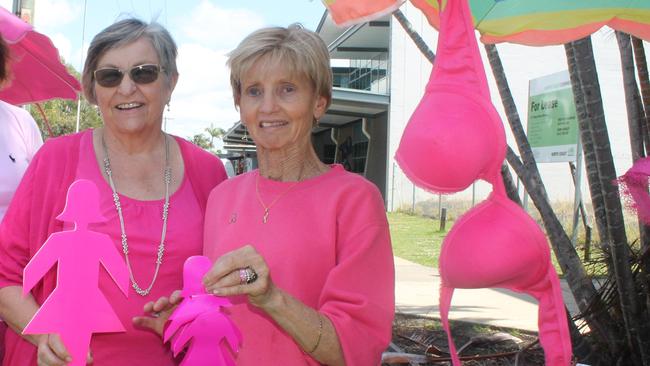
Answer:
[(380, 76)]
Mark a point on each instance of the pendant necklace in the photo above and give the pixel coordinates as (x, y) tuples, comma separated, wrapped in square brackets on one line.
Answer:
[(266, 208), (118, 207)]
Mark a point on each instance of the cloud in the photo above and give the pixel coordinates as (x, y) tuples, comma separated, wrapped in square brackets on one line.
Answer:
[(7, 4), (218, 28), (203, 96), (54, 13), (63, 44)]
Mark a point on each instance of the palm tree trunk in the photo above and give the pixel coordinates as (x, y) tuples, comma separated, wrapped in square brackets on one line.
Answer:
[(638, 317), (511, 188), (635, 113), (644, 81), (581, 286), (588, 149), (618, 246), (415, 36)]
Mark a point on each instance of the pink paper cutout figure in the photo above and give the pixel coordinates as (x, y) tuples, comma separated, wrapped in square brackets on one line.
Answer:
[(634, 184), (199, 323), (77, 308)]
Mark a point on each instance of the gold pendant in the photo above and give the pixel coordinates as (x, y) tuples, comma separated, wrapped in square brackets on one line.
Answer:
[(266, 216)]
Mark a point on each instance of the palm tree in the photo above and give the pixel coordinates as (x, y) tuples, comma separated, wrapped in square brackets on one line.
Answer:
[(215, 133), (636, 119), (644, 82), (415, 36), (526, 168)]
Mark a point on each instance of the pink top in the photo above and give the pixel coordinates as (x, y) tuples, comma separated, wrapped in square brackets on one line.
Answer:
[(143, 227), (327, 244)]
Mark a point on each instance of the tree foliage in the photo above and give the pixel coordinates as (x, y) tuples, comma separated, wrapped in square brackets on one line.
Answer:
[(62, 114), (206, 139)]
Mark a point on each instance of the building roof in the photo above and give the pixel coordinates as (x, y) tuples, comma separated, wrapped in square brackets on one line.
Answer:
[(355, 42)]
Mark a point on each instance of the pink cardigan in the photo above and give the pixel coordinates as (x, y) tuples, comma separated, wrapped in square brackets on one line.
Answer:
[(40, 197)]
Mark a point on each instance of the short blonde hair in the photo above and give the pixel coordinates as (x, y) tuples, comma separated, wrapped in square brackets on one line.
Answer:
[(302, 50)]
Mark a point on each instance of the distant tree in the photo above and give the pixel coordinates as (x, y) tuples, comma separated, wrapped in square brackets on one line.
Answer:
[(202, 141), (62, 114), (215, 133), (205, 140)]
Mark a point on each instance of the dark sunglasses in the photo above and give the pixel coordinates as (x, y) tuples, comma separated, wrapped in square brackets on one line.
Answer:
[(111, 77)]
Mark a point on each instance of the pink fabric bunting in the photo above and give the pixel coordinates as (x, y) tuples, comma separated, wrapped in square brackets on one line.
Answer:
[(634, 188)]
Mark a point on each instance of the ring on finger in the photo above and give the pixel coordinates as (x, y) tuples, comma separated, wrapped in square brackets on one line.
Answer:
[(247, 275)]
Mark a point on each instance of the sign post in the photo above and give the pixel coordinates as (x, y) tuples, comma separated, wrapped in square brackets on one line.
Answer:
[(553, 128)]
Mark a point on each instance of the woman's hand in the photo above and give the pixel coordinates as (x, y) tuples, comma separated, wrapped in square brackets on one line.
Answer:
[(52, 352), (226, 278), (159, 311)]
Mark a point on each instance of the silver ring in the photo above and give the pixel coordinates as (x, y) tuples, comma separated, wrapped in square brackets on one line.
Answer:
[(247, 275)]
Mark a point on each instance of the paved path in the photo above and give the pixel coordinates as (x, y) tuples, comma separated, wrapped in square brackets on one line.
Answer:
[(416, 292)]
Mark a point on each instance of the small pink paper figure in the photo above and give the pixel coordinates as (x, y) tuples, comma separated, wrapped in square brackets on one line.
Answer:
[(199, 323), (77, 308)]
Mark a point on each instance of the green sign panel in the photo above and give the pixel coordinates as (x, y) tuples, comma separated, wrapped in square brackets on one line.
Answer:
[(552, 125)]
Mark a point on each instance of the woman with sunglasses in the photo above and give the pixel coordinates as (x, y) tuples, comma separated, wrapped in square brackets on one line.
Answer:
[(301, 248), (153, 191)]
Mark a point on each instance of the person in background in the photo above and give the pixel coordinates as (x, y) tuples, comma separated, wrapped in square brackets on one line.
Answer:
[(301, 248), (153, 191), (20, 138)]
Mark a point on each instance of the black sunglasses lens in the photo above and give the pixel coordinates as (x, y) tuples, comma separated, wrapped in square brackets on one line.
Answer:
[(108, 78), (144, 74)]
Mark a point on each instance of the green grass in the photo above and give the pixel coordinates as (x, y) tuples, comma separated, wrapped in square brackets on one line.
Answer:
[(416, 238)]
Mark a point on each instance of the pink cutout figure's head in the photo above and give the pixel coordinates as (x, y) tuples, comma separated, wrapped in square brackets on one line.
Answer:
[(82, 204), (194, 269), (455, 136)]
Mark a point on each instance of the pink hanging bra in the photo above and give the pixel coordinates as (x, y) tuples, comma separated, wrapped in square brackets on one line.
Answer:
[(455, 137)]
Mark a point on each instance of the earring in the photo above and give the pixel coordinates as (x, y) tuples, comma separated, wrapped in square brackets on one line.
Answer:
[(315, 122), (168, 107)]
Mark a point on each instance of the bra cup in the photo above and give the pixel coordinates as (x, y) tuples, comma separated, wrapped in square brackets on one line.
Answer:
[(450, 141), (495, 244)]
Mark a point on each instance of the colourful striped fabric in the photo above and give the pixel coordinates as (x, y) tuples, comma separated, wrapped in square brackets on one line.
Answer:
[(348, 12), (541, 23), (530, 22)]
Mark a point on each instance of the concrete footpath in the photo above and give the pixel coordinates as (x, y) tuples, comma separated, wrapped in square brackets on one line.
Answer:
[(416, 292)]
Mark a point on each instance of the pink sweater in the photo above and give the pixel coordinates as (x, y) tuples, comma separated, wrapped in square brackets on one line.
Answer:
[(327, 244), (41, 196)]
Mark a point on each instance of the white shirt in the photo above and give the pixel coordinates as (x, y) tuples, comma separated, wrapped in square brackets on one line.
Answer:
[(19, 141)]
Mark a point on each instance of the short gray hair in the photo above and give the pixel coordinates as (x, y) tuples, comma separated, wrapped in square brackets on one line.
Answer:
[(302, 50), (120, 34)]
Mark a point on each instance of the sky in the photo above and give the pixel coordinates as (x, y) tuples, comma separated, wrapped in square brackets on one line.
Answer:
[(204, 30)]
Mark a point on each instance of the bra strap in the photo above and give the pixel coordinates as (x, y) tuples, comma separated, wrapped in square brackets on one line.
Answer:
[(458, 60), (446, 294), (554, 334)]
